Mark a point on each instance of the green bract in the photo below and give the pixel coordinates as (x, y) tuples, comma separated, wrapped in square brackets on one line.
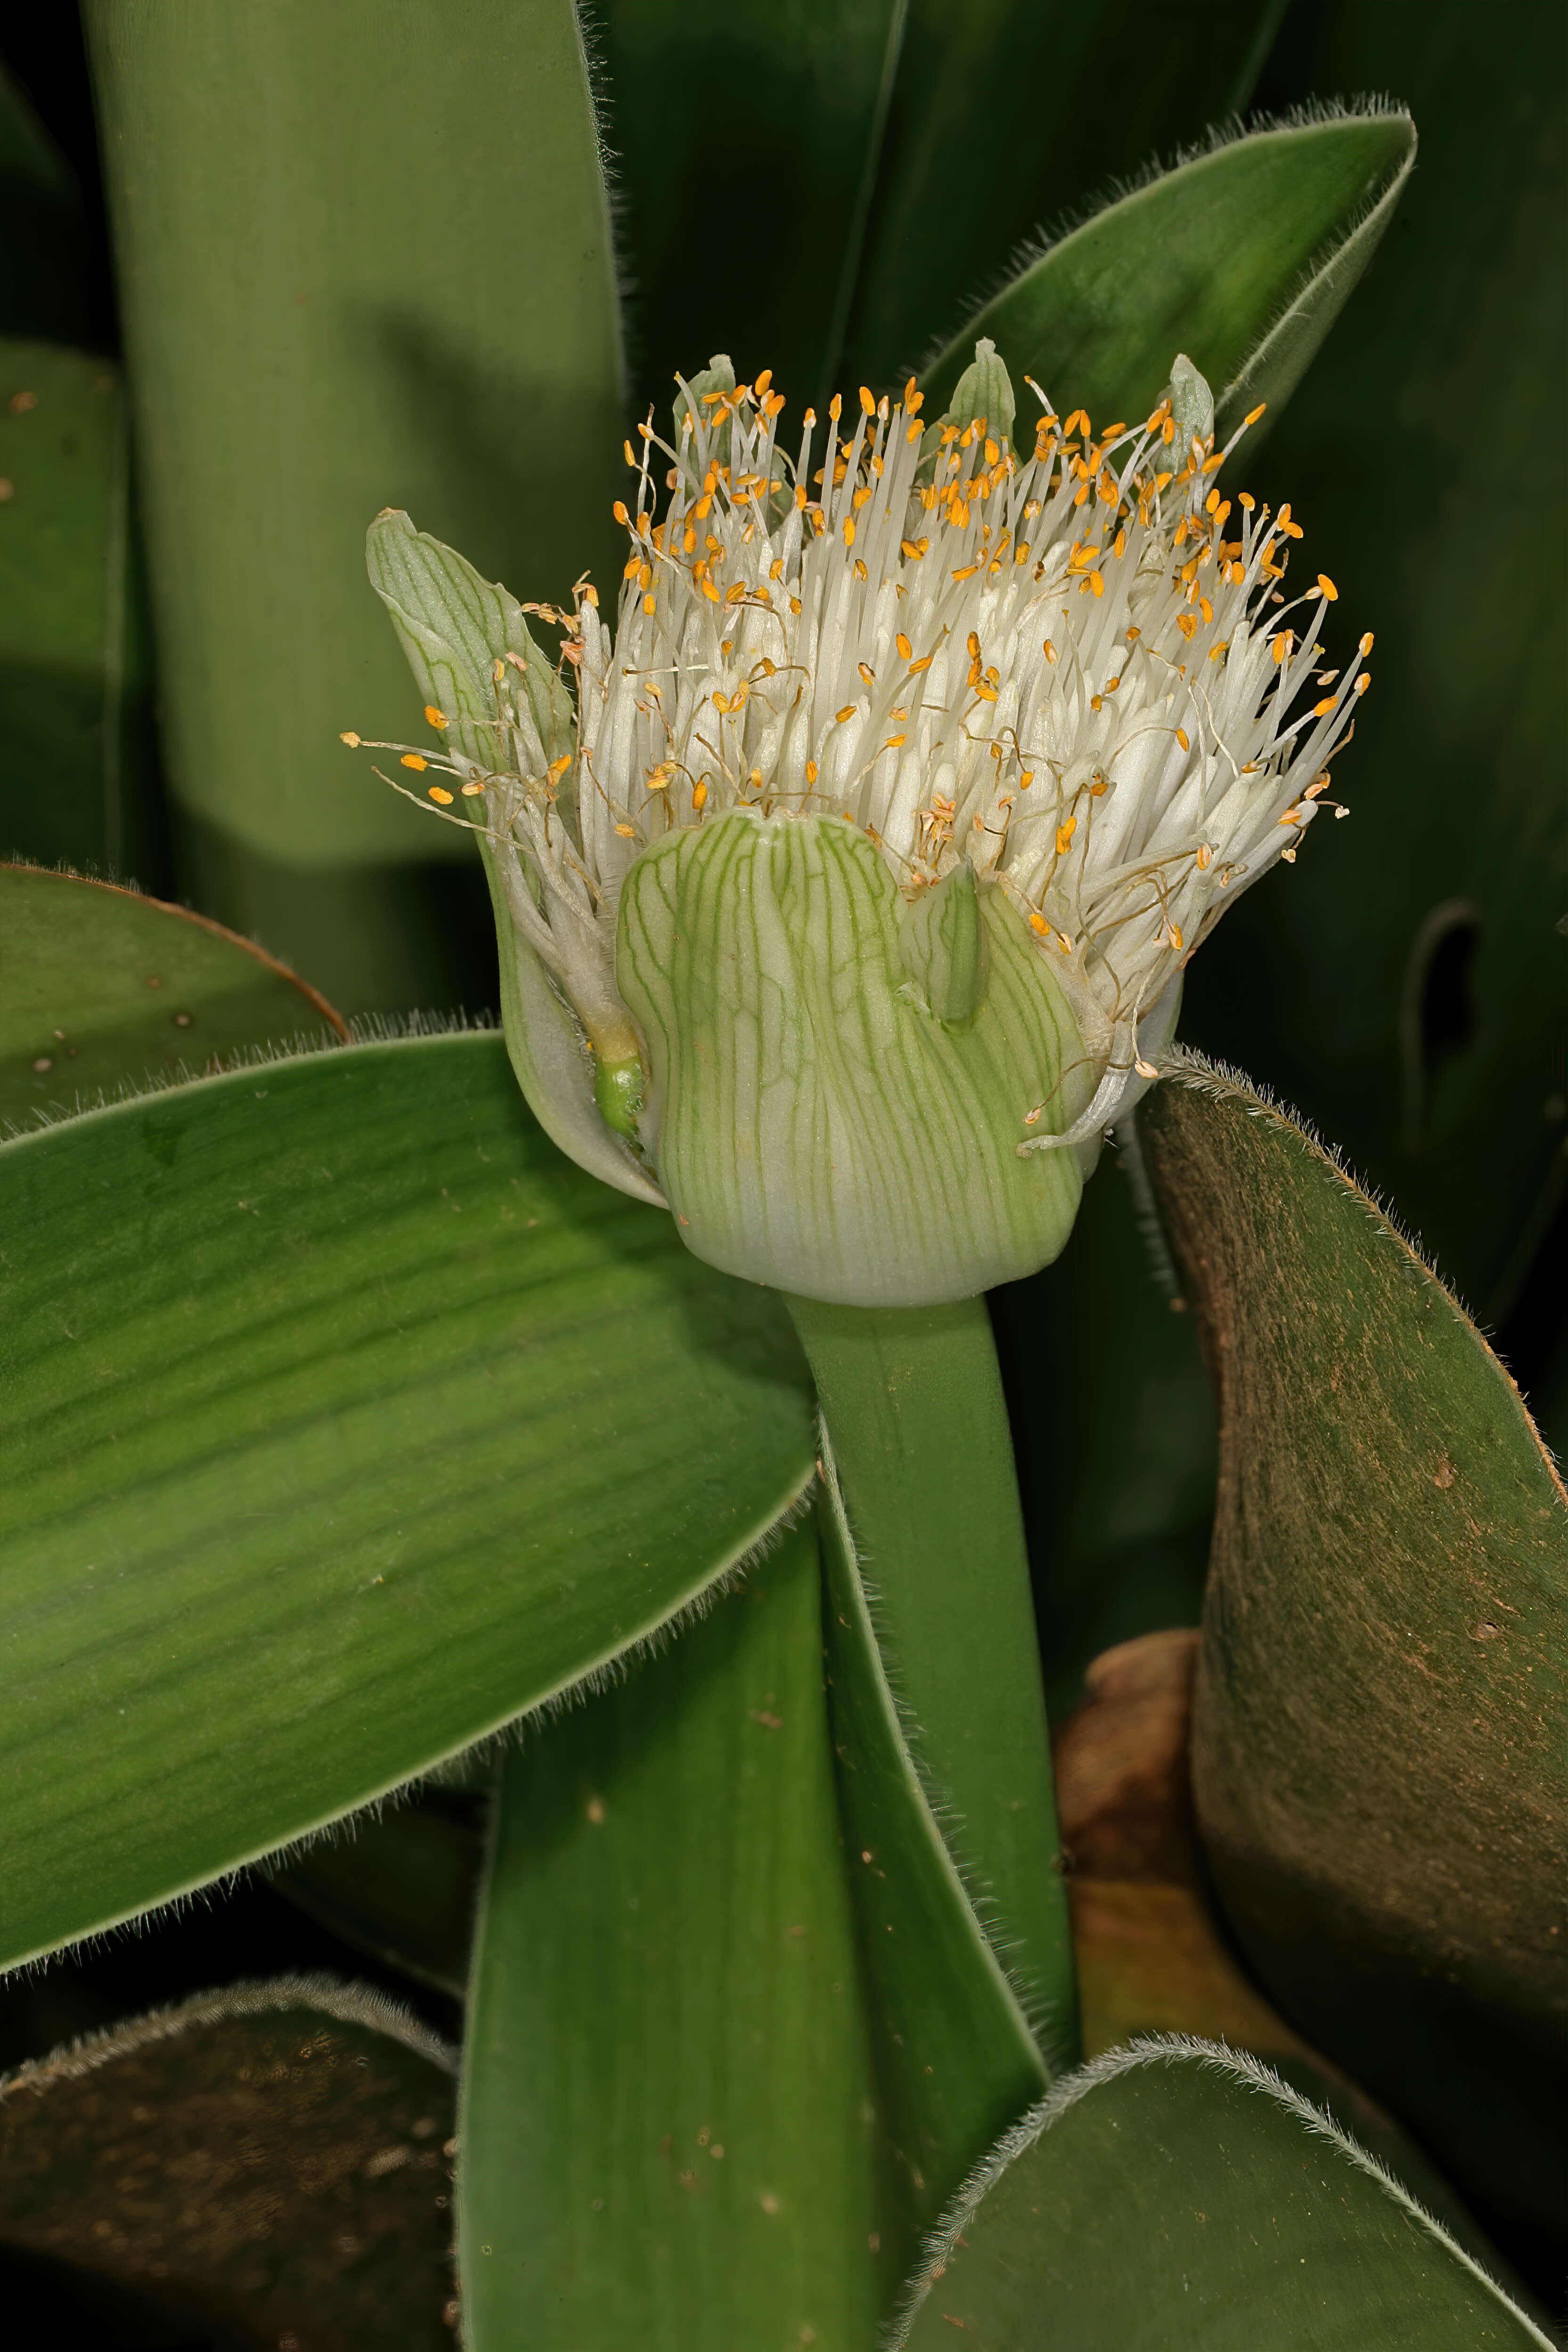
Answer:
[(819, 1127)]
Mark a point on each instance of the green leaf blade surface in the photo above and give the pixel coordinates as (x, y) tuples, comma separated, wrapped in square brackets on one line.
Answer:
[(666, 2118), (101, 989), (989, 135), (1175, 2193), (1242, 259), (343, 1421)]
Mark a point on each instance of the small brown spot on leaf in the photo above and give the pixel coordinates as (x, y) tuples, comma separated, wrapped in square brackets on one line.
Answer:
[(1445, 1474)]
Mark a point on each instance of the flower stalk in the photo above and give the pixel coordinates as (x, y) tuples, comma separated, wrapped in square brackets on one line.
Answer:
[(911, 1400)]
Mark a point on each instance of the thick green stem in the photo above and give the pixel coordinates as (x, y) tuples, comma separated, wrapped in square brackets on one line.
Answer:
[(912, 1402)]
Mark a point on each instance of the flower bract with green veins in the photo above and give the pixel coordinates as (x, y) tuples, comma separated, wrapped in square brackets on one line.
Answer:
[(844, 903)]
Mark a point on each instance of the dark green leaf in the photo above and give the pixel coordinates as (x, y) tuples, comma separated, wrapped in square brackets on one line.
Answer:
[(1175, 2193), (271, 2164), (99, 989), (344, 1419), (385, 277), (1242, 259), (72, 682), (1000, 121), (817, 77), (1407, 984), (1379, 1732), (666, 2126)]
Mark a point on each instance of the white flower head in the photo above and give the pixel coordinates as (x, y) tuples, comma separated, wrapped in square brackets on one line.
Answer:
[(1068, 682)]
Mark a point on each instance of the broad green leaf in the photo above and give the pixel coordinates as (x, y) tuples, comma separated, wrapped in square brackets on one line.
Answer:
[(999, 123), (72, 681), (1379, 1739), (1176, 2192), (400, 1889), (818, 78), (271, 2164), (956, 2059), (1242, 259), (385, 277), (100, 988), (343, 1421), (666, 2118), (1429, 1040)]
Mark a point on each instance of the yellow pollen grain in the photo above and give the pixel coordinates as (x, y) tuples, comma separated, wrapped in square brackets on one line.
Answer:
[(699, 797), (1176, 936), (1326, 588), (439, 792), (1184, 739), (847, 713), (434, 718), (350, 739), (811, 771), (471, 790), (904, 646), (1065, 832), (1365, 649), (415, 760), (1321, 709), (1048, 650), (626, 832), (558, 768), (1254, 413)]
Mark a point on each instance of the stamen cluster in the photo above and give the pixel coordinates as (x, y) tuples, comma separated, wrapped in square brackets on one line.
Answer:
[(1076, 668)]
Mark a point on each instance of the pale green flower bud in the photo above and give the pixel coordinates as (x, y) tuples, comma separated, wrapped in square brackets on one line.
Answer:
[(849, 905)]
